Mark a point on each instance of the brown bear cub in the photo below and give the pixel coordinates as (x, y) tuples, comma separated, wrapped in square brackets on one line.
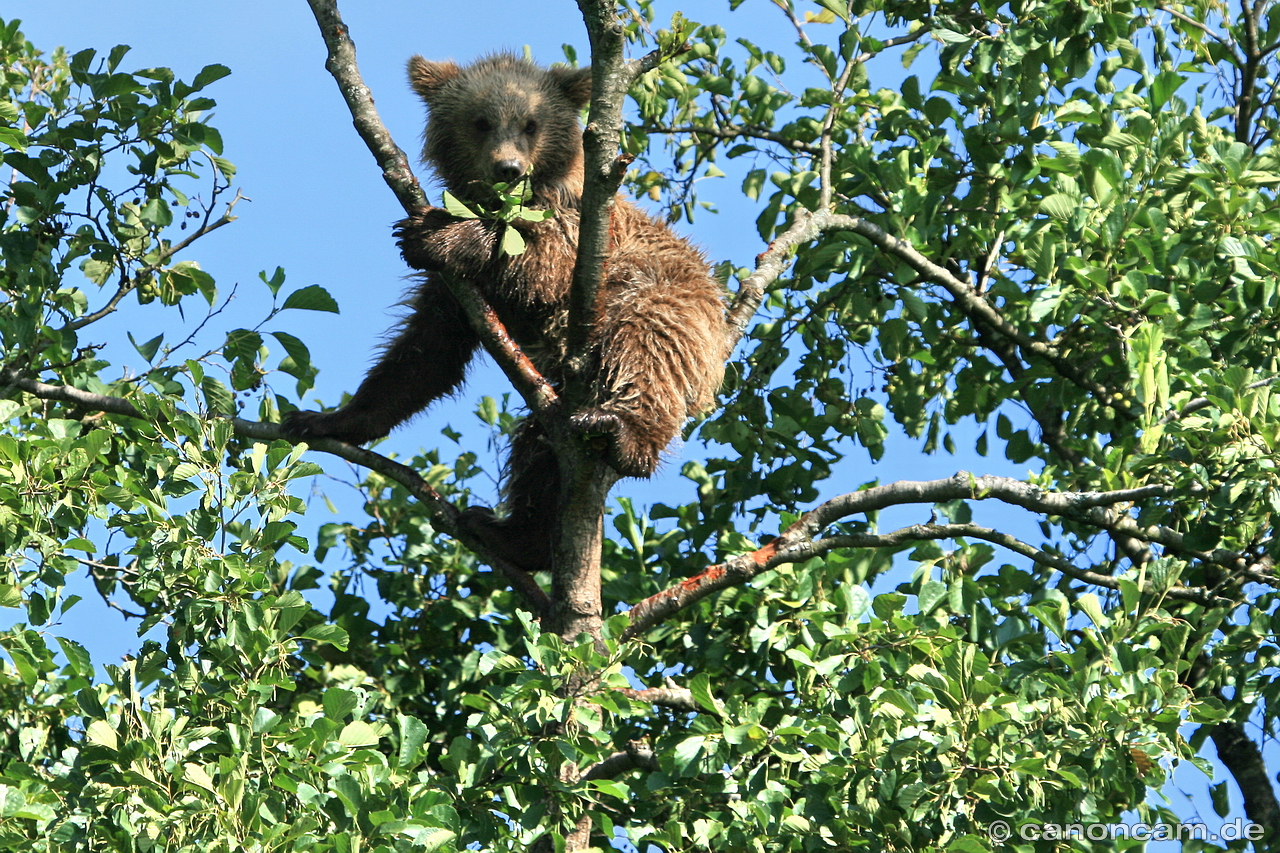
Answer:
[(659, 330)]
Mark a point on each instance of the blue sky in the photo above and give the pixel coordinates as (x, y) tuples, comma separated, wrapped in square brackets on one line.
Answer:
[(320, 210)]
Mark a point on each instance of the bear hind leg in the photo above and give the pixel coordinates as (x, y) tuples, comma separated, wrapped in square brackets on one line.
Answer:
[(524, 536)]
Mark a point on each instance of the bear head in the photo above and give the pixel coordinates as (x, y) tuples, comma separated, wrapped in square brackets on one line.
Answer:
[(501, 119)]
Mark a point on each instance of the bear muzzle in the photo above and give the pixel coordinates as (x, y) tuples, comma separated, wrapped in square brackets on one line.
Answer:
[(509, 170)]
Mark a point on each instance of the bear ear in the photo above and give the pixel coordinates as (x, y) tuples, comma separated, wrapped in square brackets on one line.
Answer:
[(427, 78), (574, 82)]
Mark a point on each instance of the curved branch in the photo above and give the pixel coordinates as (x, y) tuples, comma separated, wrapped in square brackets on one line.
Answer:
[(341, 63), (770, 265), (130, 284), (968, 301), (603, 165), (1243, 758), (800, 541), (520, 371), (444, 515), (737, 132), (919, 532)]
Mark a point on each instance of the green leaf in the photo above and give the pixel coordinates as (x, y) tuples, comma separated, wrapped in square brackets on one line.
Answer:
[(1089, 604), (311, 298), (275, 282), (413, 735), (1060, 206), (198, 776), (331, 634), (932, 592), (700, 687), (217, 397), (209, 74), (512, 242), (147, 350), (456, 207), (77, 657), (358, 733), (101, 733)]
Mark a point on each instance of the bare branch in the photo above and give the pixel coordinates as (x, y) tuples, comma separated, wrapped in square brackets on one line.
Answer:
[(800, 541), (770, 264), (611, 77), (824, 138), (676, 698), (807, 226), (920, 532), (535, 390), (1245, 761), (98, 571), (966, 299), (341, 63), (1203, 27), (924, 29), (128, 285)]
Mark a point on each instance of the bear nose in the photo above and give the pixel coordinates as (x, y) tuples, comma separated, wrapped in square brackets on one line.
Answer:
[(508, 170)]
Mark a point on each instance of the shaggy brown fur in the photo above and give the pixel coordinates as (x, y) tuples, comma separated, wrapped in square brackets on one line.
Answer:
[(659, 334)]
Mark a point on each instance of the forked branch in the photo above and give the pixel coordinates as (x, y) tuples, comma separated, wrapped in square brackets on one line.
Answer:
[(804, 539)]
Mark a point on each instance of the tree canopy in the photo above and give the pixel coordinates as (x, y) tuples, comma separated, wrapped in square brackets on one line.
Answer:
[(1059, 233)]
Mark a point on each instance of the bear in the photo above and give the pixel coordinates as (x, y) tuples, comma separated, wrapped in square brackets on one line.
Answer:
[(658, 334)]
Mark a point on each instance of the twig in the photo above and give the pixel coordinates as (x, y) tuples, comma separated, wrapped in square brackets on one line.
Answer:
[(738, 132), (127, 285), (638, 756)]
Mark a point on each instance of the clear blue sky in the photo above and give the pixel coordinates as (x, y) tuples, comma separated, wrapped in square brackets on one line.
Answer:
[(320, 210)]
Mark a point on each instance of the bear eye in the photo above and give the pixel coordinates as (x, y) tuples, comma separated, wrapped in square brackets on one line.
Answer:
[(530, 128), (482, 125)]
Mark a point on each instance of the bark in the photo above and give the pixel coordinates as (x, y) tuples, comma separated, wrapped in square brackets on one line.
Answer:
[(1244, 760)]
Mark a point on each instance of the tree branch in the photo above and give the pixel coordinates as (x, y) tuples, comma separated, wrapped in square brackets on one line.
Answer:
[(341, 63), (919, 532), (770, 264), (738, 132), (966, 299), (603, 167), (130, 284), (806, 227), (1243, 758), (800, 540), (638, 756), (676, 698), (444, 515)]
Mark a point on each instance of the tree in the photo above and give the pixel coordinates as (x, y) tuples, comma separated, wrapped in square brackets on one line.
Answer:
[(1065, 232)]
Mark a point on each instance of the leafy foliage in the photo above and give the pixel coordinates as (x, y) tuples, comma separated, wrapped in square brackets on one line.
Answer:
[(1064, 233)]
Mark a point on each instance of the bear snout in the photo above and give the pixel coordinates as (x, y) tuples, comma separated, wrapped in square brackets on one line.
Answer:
[(508, 171)]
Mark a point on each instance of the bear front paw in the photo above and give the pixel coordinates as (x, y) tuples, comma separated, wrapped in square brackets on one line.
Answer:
[(434, 240)]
